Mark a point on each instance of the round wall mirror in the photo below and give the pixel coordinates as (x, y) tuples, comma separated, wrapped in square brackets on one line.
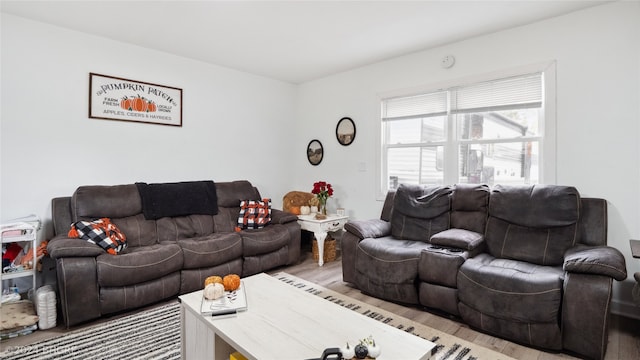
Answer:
[(315, 152), (346, 131)]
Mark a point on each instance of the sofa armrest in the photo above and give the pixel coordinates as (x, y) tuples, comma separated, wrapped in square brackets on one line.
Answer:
[(282, 217), (61, 246), (363, 229), (598, 260), (458, 238)]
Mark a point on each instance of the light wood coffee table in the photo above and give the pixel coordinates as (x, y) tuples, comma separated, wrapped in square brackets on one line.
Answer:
[(283, 322)]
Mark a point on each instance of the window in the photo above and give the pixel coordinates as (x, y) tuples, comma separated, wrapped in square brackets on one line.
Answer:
[(486, 132)]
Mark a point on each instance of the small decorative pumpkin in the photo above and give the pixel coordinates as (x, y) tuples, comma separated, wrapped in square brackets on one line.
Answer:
[(305, 210), (348, 352), (231, 282), (295, 210), (374, 350), (361, 351), (214, 291), (212, 280)]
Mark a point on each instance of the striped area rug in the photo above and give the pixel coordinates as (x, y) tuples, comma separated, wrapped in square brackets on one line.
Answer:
[(149, 334), (155, 334), (448, 346)]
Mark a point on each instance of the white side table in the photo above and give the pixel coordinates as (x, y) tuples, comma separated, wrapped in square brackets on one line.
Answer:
[(320, 228)]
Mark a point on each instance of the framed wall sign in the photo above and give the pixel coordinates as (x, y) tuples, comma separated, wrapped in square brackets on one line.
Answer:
[(115, 98), (346, 131), (315, 152)]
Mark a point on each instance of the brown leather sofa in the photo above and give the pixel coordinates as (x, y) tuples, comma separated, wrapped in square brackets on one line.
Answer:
[(526, 263), (165, 257)]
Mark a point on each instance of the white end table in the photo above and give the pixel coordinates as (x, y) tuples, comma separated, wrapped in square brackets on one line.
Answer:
[(320, 228)]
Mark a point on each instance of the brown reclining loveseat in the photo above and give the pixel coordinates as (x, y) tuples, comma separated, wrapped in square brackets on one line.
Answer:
[(526, 263)]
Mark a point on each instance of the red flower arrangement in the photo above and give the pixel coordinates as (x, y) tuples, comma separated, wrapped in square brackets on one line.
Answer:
[(322, 190)]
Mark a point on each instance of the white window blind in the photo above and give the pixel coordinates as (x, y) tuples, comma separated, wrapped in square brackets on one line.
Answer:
[(418, 106), (486, 132), (503, 94)]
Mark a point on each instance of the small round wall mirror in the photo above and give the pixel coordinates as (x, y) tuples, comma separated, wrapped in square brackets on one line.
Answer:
[(346, 131), (315, 152)]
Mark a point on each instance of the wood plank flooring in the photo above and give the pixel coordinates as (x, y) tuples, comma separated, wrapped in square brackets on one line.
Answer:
[(624, 333)]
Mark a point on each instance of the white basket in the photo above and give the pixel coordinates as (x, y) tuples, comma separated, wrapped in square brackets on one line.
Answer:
[(45, 302)]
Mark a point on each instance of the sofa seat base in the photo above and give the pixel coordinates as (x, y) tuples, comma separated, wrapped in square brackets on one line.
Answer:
[(544, 335), (439, 297), (138, 265), (511, 290), (259, 263), (388, 268), (263, 241), (116, 299)]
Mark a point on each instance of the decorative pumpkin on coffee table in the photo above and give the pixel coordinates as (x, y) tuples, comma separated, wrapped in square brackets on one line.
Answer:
[(231, 282), (212, 280), (213, 291)]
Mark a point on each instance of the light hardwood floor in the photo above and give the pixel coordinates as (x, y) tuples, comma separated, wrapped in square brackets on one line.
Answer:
[(624, 333)]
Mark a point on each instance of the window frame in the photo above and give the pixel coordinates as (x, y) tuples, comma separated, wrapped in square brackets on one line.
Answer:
[(547, 130)]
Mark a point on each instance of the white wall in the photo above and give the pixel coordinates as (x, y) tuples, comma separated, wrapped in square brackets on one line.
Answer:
[(597, 52), (233, 122)]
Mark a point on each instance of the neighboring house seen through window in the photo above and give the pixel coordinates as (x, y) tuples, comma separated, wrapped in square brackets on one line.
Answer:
[(488, 132)]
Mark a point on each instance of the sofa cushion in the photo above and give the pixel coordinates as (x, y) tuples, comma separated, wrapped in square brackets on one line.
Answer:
[(469, 205), (98, 201), (542, 246), (211, 250), (139, 264), (265, 240), (254, 214), (139, 231), (230, 193), (102, 233), (537, 206), (420, 211), (458, 238), (511, 290), (175, 228)]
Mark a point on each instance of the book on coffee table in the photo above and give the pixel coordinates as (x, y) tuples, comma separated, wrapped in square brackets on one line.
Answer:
[(230, 303)]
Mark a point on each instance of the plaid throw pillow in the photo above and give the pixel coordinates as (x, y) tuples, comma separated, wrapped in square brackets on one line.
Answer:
[(100, 232), (254, 214)]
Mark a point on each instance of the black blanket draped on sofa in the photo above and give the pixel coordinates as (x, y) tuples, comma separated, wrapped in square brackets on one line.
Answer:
[(178, 199)]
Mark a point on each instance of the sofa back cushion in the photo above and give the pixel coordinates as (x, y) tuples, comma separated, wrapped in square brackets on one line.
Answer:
[(535, 223), (96, 201), (469, 206), (172, 229), (120, 203), (138, 230), (230, 194), (420, 211)]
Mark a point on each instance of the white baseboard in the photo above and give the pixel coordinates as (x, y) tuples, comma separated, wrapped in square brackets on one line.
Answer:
[(626, 309)]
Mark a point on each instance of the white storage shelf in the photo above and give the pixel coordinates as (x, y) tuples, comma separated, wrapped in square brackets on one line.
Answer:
[(26, 237)]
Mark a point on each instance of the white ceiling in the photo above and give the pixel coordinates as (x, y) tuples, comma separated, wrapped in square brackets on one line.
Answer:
[(293, 41)]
